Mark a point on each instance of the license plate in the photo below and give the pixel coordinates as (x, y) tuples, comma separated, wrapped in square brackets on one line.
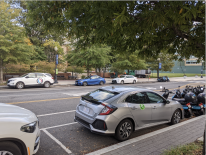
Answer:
[(189, 106), (86, 110)]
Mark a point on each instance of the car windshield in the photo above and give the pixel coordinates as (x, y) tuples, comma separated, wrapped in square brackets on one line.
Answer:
[(88, 77), (24, 75), (121, 76), (99, 95)]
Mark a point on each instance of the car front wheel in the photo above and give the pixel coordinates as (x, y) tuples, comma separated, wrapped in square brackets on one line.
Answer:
[(9, 148), (176, 117), (134, 81), (20, 85), (122, 82), (124, 130), (84, 84)]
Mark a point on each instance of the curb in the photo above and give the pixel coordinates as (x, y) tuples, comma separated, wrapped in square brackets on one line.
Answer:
[(133, 140)]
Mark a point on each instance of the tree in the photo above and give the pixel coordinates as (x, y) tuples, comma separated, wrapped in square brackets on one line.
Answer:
[(178, 26), (14, 46), (126, 61), (96, 56), (165, 59)]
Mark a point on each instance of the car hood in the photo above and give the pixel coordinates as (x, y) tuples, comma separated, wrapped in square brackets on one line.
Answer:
[(14, 112), (16, 78)]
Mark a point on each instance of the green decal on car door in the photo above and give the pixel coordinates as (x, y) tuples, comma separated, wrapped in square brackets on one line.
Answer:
[(142, 107)]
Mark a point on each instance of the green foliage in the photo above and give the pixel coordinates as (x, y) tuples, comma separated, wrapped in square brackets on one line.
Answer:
[(165, 58), (75, 69), (128, 61), (175, 26), (83, 76), (14, 46), (96, 56)]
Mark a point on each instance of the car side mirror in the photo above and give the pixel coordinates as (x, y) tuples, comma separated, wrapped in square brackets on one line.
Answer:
[(27, 77)]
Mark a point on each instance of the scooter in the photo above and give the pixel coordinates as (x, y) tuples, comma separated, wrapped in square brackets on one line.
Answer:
[(199, 107), (184, 101)]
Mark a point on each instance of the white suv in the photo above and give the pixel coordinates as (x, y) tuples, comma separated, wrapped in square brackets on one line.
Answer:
[(19, 131), (31, 79)]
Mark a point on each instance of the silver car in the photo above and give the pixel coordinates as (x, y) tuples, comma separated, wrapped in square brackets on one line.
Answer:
[(121, 110)]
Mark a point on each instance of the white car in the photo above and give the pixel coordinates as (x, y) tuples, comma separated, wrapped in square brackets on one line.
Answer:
[(125, 79), (31, 79), (19, 131)]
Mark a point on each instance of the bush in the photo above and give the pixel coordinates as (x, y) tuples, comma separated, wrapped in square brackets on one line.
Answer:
[(83, 76)]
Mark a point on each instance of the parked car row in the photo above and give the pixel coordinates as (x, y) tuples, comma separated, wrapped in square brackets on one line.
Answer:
[(46, 80)]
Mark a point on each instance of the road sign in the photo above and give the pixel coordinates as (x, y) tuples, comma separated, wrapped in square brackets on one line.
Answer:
[(57, 59), (160, 65)]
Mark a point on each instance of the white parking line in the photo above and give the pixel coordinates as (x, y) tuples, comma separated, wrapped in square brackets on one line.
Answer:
[(55, 113), (58, 126), (57, 141)]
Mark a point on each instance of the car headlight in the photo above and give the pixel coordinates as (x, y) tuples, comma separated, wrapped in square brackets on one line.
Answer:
[(30, 128)]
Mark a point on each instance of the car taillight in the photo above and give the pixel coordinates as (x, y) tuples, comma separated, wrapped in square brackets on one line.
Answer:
[(108, 109), (52, 78)]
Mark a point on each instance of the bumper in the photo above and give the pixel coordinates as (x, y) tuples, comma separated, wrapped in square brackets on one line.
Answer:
[(32, 141), (111, 123), (78, 83)]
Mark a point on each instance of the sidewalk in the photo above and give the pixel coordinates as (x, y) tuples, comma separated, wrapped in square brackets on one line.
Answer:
[(155, 143), (140, 80)]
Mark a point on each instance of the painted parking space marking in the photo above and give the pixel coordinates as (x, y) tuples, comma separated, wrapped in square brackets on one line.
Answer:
[(56, 113), (58, 126), (43, 100), (57, 141)]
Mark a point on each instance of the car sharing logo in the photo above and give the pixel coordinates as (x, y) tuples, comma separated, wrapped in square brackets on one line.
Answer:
[(39, 80), (142, 107)]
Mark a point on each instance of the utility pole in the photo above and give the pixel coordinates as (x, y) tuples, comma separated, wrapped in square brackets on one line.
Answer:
[(202, 70)]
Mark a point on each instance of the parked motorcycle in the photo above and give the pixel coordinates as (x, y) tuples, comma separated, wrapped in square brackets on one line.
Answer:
[(186, 102)]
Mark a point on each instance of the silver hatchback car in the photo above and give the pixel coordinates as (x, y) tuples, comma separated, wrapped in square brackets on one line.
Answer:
[(121, 110)]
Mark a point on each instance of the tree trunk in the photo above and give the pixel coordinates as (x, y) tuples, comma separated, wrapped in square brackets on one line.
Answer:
[(1, 71), (87, 71), (96, 70)]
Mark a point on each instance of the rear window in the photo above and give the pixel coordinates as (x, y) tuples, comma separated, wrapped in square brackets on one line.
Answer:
[(99, 95), (48, 75)]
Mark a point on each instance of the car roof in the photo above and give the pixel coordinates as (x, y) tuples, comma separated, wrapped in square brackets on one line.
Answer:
[(120, 89)]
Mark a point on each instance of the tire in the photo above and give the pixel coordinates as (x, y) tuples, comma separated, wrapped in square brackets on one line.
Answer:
[(20, 85), (176, 117), (124, 130), (47, 84), (134, 81), (122, 82), (10, 148), (101, 83), (84, 83)]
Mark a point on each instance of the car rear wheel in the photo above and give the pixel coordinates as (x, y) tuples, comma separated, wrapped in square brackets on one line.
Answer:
[(20, 85), (122, 82), (84, 84), (46, 84), (9, 148), (134, 81), (124, 130), (101, 83), (176, 117)]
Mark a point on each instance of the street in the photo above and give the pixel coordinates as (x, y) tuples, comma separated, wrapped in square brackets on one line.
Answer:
[(55, 109)]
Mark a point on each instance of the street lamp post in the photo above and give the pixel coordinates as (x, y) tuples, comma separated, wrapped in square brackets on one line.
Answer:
[(56, 62), (158, 67), (202, 70)]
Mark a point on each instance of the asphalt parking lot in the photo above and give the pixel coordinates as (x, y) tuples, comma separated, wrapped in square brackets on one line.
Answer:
[(55, 108)]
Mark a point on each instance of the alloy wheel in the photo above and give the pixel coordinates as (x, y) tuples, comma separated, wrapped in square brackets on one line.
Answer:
[(125, 130), (177, 117), (5, 153), (47, 84), (20, 85)]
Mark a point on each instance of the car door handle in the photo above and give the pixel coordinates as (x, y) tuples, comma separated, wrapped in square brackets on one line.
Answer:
[(133, 108), (154, 107)]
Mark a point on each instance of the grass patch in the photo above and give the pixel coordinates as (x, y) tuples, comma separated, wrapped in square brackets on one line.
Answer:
[(154, 75), (194, 148), (3, 84)]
